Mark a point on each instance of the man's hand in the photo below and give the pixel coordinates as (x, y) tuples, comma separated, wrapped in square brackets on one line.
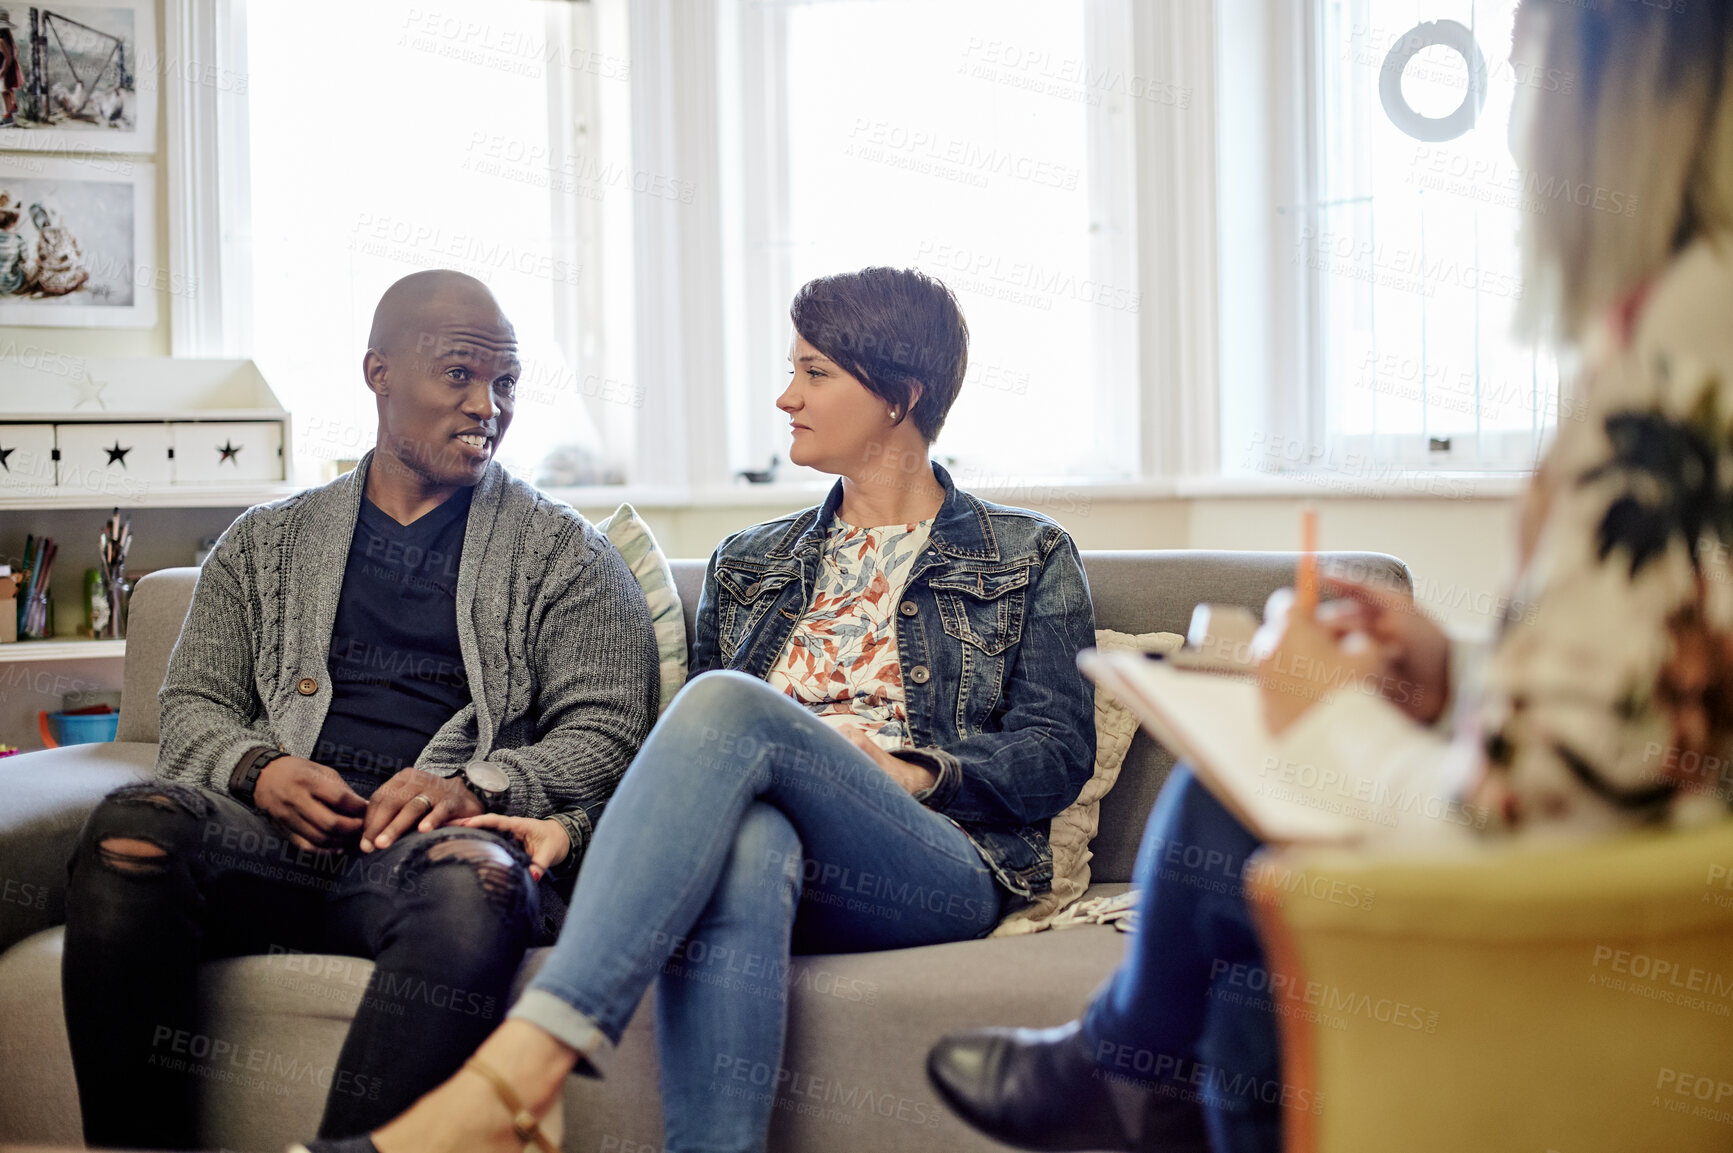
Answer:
[(310, 802), (912, 777), (1416, 651), (402, 804), (545, 841)]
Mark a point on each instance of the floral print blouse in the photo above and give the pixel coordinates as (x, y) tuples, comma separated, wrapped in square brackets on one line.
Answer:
[(841, 659), (1607, 697)]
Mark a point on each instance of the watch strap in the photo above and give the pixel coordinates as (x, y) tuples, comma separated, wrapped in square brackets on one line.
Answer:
[(245, 777)]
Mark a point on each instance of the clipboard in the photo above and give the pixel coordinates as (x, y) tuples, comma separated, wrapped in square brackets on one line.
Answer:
[(1215, 724)]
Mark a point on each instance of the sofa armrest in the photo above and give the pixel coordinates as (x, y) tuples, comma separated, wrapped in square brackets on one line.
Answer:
[(1517, 996), (44, 800)]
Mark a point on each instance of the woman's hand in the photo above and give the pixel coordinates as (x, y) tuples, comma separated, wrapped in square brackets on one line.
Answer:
[(1416, 651), (545, 841), (1307, 663), (912, 777)]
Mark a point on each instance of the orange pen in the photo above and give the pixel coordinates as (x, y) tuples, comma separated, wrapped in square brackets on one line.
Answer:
[(1306, 574)]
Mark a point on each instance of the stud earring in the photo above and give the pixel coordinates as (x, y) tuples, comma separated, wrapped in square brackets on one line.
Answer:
[(893, 414)]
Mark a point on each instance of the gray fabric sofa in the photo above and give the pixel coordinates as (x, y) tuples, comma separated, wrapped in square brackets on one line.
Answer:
[(859, 1025)]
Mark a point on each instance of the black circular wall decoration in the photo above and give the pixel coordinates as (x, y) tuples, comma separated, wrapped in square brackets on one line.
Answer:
[(1433, 130)]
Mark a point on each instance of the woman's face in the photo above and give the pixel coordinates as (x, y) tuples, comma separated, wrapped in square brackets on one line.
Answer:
[(837, 425)]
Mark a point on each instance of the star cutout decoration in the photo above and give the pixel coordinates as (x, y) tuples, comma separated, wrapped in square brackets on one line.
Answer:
[(117, 453), (90, 389), (231, 453), (4, 453)]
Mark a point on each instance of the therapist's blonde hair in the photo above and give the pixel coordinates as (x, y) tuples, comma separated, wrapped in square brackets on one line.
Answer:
[(1624, 129)]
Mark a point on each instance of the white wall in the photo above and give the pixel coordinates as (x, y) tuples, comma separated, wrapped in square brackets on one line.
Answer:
[(1460, 550)]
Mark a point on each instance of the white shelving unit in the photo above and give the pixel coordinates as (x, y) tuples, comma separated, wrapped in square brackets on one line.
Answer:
[(204, 497), (64, 649), (185, 425), (142, 432)]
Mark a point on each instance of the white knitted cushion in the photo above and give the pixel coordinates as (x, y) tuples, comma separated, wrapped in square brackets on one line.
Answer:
[(1072, 830), (627, 530)]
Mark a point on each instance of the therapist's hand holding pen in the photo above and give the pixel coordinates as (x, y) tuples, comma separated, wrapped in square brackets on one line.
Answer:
[(1367, 639), (1415, 651), (1307, 661)]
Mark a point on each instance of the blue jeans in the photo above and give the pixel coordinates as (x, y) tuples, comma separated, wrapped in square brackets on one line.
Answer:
[(746, 829), (1189, 1012)]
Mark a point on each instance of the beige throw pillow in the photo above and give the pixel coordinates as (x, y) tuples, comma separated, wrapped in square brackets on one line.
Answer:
[(1072, 830), (638, 547)]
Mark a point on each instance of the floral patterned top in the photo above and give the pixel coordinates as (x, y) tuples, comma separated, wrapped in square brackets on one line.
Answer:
[(841, 659), (1607, 697)]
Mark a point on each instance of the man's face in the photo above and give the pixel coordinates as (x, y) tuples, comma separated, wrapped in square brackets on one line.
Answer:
[(446, 391)]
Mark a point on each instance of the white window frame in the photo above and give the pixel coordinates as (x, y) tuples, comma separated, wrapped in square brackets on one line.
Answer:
[(202, 74)]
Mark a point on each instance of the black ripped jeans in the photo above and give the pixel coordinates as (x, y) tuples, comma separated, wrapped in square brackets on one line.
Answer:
[(446, 916)]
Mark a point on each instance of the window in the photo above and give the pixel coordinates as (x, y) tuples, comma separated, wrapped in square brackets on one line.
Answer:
[(647, 253), (1173, 261), (987, 142), (1397, 257), (487, 137)]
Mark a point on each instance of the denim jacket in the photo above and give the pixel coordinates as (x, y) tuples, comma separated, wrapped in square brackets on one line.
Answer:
[(988, 632)]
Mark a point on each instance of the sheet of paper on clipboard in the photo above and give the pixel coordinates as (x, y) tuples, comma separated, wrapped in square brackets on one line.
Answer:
[(1215, 724)]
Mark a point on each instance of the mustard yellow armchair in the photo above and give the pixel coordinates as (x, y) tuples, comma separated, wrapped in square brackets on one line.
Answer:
[(1569, 999)]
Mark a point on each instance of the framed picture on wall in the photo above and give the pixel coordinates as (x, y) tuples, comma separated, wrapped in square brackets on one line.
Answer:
[(77, 79), (78, 242)]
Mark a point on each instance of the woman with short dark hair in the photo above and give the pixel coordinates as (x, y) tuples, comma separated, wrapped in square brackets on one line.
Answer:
[(884, 715), (897, 331)]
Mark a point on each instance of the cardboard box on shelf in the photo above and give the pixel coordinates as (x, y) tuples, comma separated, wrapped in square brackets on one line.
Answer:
[(8, 605)]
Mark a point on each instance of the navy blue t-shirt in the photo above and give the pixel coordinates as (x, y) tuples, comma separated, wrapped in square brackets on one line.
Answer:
[(396, 670)]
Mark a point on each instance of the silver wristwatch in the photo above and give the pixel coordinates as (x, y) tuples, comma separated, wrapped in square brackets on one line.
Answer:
[(489, 784)]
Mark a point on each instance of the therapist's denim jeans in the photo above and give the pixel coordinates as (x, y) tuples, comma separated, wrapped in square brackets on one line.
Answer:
[(1190, 1013), (746, 829)]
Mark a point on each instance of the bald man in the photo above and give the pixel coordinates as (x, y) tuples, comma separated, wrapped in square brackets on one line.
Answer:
[(422, 640)]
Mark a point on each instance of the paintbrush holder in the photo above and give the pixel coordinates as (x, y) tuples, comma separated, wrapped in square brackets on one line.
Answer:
[(118, 591)]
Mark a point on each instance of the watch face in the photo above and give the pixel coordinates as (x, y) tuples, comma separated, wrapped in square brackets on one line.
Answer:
[(488, 778)]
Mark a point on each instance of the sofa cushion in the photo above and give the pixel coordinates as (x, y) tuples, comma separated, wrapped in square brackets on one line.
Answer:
[(40, 1104), (852, 1072), (1140, 592), (644, 557), (48, 795), (159, 604)]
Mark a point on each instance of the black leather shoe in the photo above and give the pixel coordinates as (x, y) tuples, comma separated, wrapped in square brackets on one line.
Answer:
[(1030, 1088), (1040, 1089)]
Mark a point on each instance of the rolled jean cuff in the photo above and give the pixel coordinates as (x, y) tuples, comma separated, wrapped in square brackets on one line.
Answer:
[(564, 1023)]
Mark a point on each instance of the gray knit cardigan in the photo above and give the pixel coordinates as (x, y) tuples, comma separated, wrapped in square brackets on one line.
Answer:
[(554, 630)]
